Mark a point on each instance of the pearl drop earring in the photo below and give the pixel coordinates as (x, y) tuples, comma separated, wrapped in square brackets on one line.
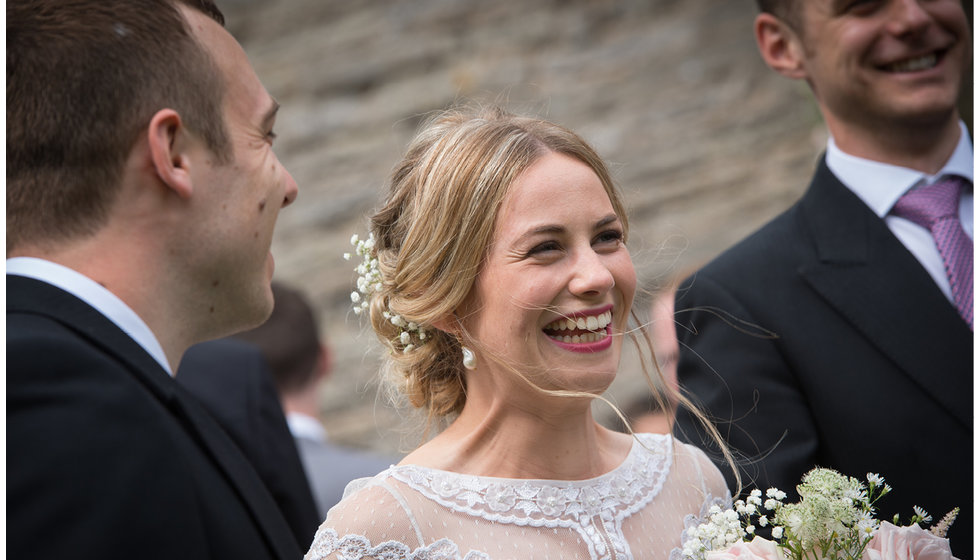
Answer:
[(469, 358)]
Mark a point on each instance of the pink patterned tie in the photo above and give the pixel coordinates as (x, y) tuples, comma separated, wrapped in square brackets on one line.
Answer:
[(936, 207)]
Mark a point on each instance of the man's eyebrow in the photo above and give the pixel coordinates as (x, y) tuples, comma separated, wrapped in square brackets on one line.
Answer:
[(270, 115)]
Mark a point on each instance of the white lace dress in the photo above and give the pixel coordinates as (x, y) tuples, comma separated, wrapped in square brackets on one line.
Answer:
[(636, 511)]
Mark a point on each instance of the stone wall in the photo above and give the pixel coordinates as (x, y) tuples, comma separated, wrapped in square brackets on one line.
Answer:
[(704, 140)]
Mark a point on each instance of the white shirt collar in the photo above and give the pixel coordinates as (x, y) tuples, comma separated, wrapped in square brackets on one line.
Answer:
[(304, 426), (92, 293), (880, 185)]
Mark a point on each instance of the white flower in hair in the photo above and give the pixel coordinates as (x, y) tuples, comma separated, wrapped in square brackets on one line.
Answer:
[(368, 282)]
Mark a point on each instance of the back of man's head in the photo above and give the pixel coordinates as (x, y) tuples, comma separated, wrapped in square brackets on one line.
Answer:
[(289, 340), (84, 77)]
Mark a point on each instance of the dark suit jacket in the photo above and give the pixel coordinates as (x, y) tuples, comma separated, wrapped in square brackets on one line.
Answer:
[(107, 457), (232, 380), (868, 369)]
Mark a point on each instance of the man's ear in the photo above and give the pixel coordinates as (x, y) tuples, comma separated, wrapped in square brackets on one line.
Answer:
[(780, 46), (324, 363), (168, 141)]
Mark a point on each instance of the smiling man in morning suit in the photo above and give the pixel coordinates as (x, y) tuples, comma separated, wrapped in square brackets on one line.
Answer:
[(142, 193), (866, 283)]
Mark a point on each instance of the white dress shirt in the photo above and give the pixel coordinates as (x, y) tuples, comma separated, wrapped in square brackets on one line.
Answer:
[(303, 426), (92, 293), (880, 185)]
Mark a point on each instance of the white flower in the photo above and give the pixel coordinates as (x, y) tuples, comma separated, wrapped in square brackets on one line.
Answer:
[(550, 500), (777, 532), (776, 493), (922, 514), (867, 525)]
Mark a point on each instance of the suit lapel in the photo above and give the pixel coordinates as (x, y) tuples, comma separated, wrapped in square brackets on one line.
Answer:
[(234, 464), (864, 272), (33, 296)]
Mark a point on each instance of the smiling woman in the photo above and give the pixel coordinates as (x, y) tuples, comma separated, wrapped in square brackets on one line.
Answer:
[(498, 277)]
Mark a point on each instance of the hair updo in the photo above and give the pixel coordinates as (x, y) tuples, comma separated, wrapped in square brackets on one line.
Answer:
[(435, 228)]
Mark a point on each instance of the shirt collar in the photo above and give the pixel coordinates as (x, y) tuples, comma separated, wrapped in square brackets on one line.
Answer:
[(305, 427), (880, 185), (94, 294)]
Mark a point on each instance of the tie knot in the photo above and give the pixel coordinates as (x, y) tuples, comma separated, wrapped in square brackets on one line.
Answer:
[(927, 204)]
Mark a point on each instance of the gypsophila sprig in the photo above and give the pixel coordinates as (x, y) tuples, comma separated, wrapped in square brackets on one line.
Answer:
[(368, 273), (369, 281), (833, 520)]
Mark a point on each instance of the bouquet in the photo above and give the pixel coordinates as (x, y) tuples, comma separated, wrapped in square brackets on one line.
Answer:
[(833, 520)]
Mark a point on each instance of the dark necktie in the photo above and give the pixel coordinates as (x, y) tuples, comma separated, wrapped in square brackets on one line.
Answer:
[(936, 208)]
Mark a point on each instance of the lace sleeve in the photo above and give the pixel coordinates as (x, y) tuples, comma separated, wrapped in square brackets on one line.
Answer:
[(371, 522), (715, 491)]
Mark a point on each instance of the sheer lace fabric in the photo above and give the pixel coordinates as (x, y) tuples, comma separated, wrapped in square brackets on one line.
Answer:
[(636, 511)]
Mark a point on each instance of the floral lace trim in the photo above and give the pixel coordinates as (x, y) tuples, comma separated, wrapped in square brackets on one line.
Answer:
[(610, 497), (355, 547)]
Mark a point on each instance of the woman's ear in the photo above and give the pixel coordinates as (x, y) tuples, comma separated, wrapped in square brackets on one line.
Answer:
[(781, 48), (449, 324), (168, 141)]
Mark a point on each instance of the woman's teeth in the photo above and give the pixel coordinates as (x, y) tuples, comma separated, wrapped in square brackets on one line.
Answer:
[(583, 338), (589, 329)]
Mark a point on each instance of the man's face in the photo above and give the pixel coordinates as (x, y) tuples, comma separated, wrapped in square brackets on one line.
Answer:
[(240, 200), (872, 62)]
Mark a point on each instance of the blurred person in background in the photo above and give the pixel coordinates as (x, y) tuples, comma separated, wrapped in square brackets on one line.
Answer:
[(299, 360), (646, 414), (232, 380)]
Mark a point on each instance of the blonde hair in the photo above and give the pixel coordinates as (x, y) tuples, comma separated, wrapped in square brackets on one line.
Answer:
[(436, 225), (433, 233)]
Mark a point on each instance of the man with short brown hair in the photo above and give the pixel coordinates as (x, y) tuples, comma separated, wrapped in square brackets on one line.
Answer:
[(142, 194), (863, 290)]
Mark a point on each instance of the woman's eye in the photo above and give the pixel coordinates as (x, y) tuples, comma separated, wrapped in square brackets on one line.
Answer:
[(545, 247), (610, 236)]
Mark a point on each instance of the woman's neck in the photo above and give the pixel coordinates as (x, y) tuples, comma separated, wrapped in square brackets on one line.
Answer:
[(509, 442)]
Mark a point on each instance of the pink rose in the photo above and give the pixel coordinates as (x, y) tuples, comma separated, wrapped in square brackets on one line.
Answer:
[(906, 543), (758, 549)]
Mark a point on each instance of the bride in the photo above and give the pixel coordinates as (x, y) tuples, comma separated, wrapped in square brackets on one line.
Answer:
[(498, 278)]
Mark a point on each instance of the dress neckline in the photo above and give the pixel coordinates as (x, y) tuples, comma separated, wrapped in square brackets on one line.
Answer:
[(642, 443), (549, 503)]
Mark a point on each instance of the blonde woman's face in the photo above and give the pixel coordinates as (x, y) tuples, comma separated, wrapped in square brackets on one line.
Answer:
[(555, 292)]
